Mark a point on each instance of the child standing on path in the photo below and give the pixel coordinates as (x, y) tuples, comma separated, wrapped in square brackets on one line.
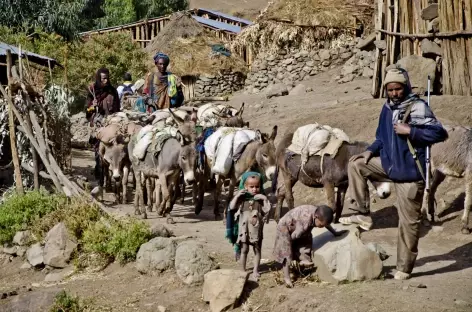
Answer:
[(293, 239), (253, 210)]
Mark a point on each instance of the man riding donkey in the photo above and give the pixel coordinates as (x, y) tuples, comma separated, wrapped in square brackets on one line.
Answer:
[(406, 127), (102, 100), (162, 86)]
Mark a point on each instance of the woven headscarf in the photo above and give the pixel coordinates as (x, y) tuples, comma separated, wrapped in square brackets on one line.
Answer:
[(160, 55)]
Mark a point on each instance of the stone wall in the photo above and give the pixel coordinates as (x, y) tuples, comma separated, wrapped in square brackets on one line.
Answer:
[(290, 67), (361, 64), (218, 85)]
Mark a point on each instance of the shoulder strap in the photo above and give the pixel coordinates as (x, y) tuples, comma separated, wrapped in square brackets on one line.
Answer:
[(410, 146)]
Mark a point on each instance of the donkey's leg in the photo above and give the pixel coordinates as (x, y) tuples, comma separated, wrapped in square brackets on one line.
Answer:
[(180, 181), (330, 195), (174, 185), (165, 204), (157, 197), (288, 190), (232, 183), (438, 178), (201, 187), (149, 190), (280, 193), (124, 183), (467, 201), (340, 195), (216, 195), (138, 193)]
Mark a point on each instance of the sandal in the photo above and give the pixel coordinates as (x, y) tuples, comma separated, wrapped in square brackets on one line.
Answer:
[(364, 222)]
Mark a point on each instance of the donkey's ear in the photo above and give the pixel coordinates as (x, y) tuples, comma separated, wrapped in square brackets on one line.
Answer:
[(240, 111), (176, 118), (274, 133)]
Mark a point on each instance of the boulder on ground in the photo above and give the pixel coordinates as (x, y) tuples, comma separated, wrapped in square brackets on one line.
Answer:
[(59, 246), (192, 262), (157, 255), (10, 250), (35, 255), (159, 230), (274, 90), (222, 288), (344, 258), (36, 301), (22, 238), (418, 69), (299, 89), (367, 41)]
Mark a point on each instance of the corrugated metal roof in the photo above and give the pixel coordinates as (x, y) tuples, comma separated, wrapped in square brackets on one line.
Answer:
[(234, 18), (219, 25), (15, 51)]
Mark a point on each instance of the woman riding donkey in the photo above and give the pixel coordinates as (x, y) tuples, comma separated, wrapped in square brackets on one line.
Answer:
[(102, 100), (162, 86)]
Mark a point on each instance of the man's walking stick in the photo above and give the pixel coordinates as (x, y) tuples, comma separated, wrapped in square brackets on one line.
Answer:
[(428, 164)]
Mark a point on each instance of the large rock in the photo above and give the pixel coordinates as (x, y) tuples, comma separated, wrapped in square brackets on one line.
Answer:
[(222, 288), (156, 255), (10, 250), (22, 238), (419, 68), (59, 246), (35, 255), (37, 301), (324, 55), (367, 42), (192, 262), (298, 90), (344, 258), (429, 47), (278, 89), (159, 230), (430, 12)]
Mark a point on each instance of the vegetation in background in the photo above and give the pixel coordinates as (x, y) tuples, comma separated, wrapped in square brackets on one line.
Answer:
[(64, 302)]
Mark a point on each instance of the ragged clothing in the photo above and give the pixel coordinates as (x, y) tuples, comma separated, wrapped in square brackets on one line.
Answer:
[(252, 214), (294, 234), (316, 139), (164, 89)]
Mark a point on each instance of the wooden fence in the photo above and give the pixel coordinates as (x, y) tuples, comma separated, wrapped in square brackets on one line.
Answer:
[(403, 24)]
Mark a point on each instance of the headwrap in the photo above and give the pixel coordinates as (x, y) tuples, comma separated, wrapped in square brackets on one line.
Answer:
[(245, 176), (399, 75), (160, 55)]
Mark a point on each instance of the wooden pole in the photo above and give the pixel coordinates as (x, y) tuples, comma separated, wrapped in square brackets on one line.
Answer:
[(11, 123), (377, 78)]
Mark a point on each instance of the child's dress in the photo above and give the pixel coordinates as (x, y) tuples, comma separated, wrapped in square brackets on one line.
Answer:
[(252, 214)]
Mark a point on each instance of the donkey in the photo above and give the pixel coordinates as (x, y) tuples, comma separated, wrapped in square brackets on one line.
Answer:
[(165, 168), (257, 155), (332, 174), (453, 158)]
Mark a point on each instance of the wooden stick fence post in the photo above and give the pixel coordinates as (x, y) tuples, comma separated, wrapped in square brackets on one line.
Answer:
[(11, 122)]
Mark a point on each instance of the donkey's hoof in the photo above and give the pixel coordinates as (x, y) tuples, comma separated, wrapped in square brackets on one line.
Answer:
[(198, 210), (465, 230), (137, 212), (180, 201), (170, 220), (144, 215), (149, 208)]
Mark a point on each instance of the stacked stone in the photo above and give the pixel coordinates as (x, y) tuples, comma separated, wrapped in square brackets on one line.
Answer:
[(361, 64), (294, 66), (218, 85)]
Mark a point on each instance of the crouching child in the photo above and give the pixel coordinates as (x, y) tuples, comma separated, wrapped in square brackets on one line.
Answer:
[(293, 238)]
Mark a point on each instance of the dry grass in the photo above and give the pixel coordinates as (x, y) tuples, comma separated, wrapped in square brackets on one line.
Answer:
[(188, 45), (327, 13)]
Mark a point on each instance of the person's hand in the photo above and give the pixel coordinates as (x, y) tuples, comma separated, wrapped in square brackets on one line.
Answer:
[(339, 233), (402, 128), (367, 155), (94, 102), (241, 192), (260, 197)]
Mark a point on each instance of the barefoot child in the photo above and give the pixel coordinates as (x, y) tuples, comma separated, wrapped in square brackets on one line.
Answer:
[(253, 210), (293, 240)]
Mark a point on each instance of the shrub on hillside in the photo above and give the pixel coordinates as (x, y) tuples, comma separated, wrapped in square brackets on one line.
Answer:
[(20, 212)]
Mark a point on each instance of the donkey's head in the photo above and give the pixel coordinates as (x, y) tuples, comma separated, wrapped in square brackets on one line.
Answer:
[(230, 119), (188, 161), (186, 126), (116, 154), (265, 155)]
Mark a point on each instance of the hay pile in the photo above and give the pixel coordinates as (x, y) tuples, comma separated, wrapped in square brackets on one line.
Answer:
[(189, 47), (304, 24)]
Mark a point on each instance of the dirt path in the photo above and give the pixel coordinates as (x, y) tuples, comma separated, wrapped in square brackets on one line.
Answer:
[(444, 262)]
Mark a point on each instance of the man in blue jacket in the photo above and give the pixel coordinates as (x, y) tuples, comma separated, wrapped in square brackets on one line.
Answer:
[(390, 159)]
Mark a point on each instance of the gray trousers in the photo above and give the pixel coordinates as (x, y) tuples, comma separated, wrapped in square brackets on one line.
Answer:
[(409, 200)]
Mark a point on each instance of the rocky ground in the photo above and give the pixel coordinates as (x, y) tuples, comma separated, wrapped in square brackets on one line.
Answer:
[(443, 268)]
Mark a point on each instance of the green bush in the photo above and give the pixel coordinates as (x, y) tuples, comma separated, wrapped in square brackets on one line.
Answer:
[(65, 302), (19, 212), (116, 240)]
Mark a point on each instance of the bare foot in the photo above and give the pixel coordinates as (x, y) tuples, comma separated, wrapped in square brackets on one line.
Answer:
[(288, 283)]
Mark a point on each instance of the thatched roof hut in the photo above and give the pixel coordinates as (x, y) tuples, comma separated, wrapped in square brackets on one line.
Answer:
[(305, 24), (189, 47)]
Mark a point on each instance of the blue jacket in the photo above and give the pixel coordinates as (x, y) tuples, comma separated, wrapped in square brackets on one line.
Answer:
[(393, 150)]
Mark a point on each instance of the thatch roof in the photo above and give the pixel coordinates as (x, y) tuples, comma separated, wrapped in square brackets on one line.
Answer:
[(304, 24), (189, 47), (321, 13)]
